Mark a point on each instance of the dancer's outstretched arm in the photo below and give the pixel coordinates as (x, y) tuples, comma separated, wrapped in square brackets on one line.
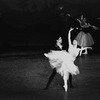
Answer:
[(96, 28), (83, 48), (69, 37)]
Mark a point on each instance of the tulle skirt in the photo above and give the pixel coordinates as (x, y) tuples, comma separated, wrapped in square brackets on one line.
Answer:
[(84, 39), (62, 61)]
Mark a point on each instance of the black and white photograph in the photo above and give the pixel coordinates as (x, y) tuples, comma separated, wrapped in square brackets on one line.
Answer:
[(49, 49)]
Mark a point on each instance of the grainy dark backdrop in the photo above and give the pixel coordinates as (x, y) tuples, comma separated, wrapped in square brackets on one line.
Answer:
[(38, 23)]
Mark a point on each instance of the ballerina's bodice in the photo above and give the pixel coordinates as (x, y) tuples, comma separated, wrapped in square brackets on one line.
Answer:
[(73, 51)]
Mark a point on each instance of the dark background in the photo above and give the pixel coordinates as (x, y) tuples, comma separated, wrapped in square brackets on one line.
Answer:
[(36, 24)]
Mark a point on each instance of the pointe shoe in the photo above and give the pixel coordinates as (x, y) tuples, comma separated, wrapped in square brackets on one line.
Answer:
[(65, 88)]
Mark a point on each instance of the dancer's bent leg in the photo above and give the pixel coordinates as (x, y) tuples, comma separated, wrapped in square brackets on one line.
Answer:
[(51, 78)]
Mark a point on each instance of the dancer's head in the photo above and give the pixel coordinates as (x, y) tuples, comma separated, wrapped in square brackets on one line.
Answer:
[(59, 40), (74, 42)]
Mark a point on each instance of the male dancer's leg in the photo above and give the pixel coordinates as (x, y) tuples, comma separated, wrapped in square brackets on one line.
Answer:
[(70, 81), (51, 78)]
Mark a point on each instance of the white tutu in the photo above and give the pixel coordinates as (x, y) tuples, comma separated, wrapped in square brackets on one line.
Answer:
[(84, 39), (62, 61)]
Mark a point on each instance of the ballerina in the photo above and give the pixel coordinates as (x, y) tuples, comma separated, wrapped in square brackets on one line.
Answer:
[(63, 61)]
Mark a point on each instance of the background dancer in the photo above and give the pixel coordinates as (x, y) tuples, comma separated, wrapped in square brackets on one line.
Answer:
[(84, 38), (82, 21)]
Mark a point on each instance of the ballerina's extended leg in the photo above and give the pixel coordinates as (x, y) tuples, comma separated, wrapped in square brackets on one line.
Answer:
[(65, 78)]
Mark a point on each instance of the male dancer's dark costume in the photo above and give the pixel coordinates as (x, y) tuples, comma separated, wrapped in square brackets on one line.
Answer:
[(53, 75)]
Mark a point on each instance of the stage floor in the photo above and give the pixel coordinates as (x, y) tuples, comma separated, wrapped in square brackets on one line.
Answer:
[(24, 76)]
